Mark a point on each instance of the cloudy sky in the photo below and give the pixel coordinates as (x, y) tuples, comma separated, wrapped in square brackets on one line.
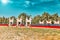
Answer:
[(31, 7)]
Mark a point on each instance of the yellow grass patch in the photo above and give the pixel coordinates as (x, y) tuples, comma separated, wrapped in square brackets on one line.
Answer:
[(15, 33)]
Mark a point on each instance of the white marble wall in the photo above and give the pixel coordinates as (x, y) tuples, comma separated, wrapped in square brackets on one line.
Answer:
[(11, 21), (28, 20), (56, 22), (19, 20), (48, 22), (41, 22)]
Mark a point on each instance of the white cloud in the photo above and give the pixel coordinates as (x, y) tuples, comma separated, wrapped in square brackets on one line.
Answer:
[(27, 2), (46, 0), (10, 1), (25, 5), (33, 3)]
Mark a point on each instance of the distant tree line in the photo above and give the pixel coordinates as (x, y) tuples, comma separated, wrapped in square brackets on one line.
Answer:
[(35, 20)]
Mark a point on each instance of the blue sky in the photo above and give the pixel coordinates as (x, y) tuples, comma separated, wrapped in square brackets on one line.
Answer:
[(31, 7)]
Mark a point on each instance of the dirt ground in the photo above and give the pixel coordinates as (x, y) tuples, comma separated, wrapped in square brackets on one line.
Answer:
[(10, 33)]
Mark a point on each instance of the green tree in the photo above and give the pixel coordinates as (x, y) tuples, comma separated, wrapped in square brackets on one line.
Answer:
[(3, 19), (45, 16), (36, 19), (0, 20), (55, 16)]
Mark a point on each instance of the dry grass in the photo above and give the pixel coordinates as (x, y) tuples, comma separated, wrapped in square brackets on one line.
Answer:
[(10, 33)]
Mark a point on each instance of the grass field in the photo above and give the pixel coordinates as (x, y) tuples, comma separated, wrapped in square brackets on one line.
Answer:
[(10, 33)]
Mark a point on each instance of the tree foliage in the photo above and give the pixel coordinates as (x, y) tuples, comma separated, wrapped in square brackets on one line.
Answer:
[(35, 20)]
